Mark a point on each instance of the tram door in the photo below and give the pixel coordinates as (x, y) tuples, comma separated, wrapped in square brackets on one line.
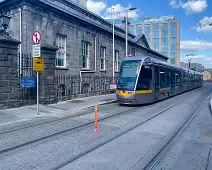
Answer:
[(157, 82), (173, 82)]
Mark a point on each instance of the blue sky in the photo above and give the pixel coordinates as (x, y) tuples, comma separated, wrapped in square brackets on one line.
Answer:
[(193, 41)]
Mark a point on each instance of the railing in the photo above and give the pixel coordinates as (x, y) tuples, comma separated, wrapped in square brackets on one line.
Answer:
[(74, 86)]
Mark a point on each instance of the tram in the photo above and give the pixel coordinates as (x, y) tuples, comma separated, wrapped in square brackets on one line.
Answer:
[(144, 80)]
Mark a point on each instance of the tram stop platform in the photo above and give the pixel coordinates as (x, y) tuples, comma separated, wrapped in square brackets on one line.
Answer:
[(26, 113)]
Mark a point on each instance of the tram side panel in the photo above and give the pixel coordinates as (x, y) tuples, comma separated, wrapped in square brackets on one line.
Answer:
[(144, 87)]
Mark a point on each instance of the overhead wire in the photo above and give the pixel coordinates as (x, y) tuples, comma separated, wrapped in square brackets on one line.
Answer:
[(197, 22), (163, 30)]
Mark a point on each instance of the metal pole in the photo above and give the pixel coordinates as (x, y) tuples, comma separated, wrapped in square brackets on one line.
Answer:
[(126, 30), (37, 93), (113, 46), (37, 87)]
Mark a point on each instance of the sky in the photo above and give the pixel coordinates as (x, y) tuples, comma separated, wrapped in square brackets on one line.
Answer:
[(191, 14)]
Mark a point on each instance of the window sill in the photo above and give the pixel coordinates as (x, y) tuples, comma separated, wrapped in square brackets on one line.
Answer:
[(85, 69), (61, 68)]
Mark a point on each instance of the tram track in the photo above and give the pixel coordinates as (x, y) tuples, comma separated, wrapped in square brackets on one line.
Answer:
[(159, 156), (120, 134), (129, 111), (77, 114)]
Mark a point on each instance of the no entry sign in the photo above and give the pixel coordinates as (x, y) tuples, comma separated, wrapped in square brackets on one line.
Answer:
[(36, 37)]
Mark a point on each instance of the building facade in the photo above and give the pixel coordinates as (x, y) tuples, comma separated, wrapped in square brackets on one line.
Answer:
[(162, 34), (207, 76), (84, 39), (76, 46), (195, 66)]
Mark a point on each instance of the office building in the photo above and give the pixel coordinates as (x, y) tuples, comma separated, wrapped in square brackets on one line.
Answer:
[(162, 34)]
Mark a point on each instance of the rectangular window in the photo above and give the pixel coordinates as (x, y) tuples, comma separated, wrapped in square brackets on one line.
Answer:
[(116, 60), (138, 29), (147, 30), (164, 30), (156, 44), (132, 29), (173, 33), (173, 26), (85, 55), (103, 56), (173, 29), (61, 53), (155, 30)]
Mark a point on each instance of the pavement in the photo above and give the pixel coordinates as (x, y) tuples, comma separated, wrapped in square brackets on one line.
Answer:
[(26, 113)]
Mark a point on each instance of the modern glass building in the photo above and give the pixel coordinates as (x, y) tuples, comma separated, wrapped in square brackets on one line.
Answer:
[(162, 34)]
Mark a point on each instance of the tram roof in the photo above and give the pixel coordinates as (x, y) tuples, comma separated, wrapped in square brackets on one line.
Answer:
[(157, 61)]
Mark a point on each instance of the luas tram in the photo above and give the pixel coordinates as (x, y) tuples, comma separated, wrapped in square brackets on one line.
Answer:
[(144, 79)]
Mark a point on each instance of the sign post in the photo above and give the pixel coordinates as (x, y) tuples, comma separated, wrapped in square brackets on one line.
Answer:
[(36, 38)]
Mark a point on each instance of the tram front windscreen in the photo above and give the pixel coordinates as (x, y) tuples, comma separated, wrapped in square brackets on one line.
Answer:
[(128, 74)]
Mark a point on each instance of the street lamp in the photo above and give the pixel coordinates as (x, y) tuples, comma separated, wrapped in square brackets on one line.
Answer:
[(126, 30), (113, 46), (189, 60), (4, 21)]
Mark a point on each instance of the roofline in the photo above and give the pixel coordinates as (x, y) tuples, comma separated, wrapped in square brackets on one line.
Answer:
[(47, 3), (157, 61)]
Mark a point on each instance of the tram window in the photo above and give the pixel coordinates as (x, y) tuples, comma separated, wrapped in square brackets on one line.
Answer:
[(178, 77), (145, 78), (185, 78), (128, 75), (168, 70), (173, 77), (163, 78)]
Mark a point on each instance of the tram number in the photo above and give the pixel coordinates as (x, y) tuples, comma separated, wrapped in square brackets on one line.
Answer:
[(147, 67)]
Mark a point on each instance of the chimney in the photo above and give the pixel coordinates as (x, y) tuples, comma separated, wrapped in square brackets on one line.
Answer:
[(82, 3)]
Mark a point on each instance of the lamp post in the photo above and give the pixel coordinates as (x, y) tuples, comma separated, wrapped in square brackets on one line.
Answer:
[(126, 30), (4, 21), (113, 46), (189, 60)]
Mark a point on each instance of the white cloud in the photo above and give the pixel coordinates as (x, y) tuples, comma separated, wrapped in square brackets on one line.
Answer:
[(195, 45), (205, 60), (96, 7), (176, 4), (205, 27), (196, 6), (119, 12)]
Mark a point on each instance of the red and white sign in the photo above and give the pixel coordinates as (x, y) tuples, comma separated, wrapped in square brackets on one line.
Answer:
[(36, 37), (113, 86)]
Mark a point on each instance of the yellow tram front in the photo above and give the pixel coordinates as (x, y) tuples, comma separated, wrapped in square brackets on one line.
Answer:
[(135, 81)]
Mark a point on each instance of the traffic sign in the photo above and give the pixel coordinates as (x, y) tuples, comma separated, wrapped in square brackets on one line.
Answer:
[(36, 37), (36, 50), (38, 65), (28, 82)]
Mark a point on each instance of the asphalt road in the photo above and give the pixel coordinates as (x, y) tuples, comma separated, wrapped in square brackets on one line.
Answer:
[(126, 141)]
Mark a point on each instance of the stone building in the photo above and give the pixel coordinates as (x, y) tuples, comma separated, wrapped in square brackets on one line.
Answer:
[(207, 76), (83, 38), (76, 46)]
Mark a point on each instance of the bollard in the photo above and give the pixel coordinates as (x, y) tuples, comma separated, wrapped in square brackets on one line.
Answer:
[(96, 119)]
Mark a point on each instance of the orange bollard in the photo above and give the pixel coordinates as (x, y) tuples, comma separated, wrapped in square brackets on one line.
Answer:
[(96, 119)]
